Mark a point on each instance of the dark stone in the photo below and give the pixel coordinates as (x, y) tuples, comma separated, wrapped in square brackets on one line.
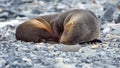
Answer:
[(20, 15), (47, 0), (118, 4), (118, 19), (3, 18), (36, 11), (109, 11), (78, 65), (15, 66), (37, 60)]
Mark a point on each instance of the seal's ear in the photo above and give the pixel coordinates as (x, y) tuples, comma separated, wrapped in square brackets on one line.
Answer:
[(68, 25), (67, 18), (92, 13)]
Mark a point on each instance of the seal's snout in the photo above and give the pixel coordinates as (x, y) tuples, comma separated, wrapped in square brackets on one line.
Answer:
[(63, 40)]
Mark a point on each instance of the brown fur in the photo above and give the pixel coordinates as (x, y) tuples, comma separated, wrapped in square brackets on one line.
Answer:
[(71, 27)]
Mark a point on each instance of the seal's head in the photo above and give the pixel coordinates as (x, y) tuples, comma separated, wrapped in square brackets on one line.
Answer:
[(82, 27), (71, 33)]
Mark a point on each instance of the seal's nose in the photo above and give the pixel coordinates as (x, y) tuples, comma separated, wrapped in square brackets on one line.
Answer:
[(64, 40)]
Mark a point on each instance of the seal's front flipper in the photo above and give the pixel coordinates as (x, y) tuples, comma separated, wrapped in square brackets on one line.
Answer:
[(95, 41)]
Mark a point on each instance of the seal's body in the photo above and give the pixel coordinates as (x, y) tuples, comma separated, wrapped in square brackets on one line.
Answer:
[(72, 27)]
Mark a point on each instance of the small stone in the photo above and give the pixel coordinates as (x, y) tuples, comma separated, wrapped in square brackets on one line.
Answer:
[(1, 10), (112, 36), (38, 66), (2, 62), (94, 46), (70, 48)]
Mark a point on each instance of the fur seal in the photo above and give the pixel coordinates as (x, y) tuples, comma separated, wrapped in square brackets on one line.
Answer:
[(71, 27)]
